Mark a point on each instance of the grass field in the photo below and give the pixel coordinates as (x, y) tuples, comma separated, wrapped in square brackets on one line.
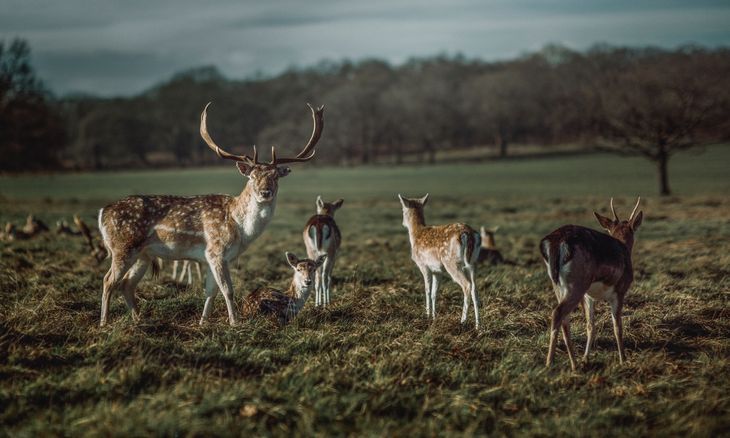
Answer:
[(372, 364)]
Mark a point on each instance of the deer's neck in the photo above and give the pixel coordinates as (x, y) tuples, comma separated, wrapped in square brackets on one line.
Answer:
[(414, 223), (299, 297), (251, 215)]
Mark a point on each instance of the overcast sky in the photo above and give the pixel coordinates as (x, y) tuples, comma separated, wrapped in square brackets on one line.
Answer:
[(123, 47)]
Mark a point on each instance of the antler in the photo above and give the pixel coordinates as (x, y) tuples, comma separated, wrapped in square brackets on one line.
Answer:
[(635, 208), (615, 216), (305, 155), (220, 152)]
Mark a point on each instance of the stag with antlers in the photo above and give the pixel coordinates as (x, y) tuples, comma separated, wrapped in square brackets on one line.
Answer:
[(211, 229), (585, 265)]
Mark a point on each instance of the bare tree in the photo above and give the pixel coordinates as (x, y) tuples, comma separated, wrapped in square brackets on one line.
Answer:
[(656, 104)]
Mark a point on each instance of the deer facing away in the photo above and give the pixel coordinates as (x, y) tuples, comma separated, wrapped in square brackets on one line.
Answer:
[(453, 248), (322, 237), (284, 306), (211, 229), (585, 265)]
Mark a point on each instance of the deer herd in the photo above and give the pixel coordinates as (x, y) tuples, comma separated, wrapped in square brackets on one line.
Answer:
[(212, 231)]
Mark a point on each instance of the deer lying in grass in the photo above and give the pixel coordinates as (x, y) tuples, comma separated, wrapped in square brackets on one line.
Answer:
[(586, 265), (489, 252), (214, 229), (322, 237), (32, 228), (453, 248), (284, 306)]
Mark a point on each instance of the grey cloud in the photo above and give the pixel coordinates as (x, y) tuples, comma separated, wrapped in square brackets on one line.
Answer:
[(112, 47)]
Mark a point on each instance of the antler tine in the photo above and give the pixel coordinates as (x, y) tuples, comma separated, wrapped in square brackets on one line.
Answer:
[(615, 216), (217, 149), (273, 155), (308, 152), (635, 208)]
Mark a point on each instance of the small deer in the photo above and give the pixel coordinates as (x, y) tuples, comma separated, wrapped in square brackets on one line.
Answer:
[(284, 306), (585, 265), (322, 236), (453, 248), (489, 252), (34, 226), (211, 229)]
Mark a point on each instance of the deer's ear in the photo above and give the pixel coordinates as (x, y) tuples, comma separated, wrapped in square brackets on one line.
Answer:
[(636, 221), (320, 260), (402, 201), (283, 171), (244, 168), (605, 222), (338, 203), (292, 259), (423, 200)]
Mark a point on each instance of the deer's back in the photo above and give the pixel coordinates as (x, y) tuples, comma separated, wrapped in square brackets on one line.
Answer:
[(327, 232), (135, 220), (435, 245), (604, 258)]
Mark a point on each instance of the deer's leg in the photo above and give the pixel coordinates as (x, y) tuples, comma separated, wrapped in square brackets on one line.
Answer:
[(120, 266), (211, 290), (589, 309), (568, 342), (474, 295), (190, 272), (219, 268), (329, 263), (434, 291), (174, 270), (618, 329), (427, 283), (460, 278), (200, 274), (569, 302), (129, 284)]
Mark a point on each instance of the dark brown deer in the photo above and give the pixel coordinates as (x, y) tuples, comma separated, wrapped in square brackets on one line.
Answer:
[(586, 265), (211, 229), (322, 237)]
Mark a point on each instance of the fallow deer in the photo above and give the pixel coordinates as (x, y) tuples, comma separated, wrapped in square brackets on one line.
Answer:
[(489, 252), (453, 248), (322, 237), (214, 229), (34, 226), (284, 306), (586, 265)]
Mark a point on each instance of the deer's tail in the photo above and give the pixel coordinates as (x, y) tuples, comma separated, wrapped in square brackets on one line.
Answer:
[(471, 242)]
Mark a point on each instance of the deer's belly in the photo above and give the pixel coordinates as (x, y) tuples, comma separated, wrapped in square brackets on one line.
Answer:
[(176, 251), (601, 291)]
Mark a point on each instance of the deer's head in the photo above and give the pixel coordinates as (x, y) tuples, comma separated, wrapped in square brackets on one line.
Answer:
[(413, 210), (264, 177), (622, 230), (328, 208), (304, 271)]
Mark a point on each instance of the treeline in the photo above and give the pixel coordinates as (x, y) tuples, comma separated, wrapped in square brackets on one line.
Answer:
[(636, 101)]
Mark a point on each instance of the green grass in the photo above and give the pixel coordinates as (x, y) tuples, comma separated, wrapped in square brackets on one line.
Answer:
[(598, 174), (372, 364)]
